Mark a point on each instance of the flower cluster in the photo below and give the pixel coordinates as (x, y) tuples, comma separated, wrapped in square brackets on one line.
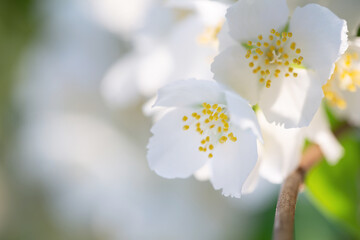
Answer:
[(273, 69)]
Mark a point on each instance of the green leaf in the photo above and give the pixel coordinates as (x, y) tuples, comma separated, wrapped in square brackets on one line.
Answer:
[(336, 189)]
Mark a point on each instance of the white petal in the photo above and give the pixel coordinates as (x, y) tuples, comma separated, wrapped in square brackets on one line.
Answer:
[(182, 4), (155, 113), (189, 93), (233, 162), (320, 133), (321, 36), (173, 152), (154, 69), (211, 12), (230, 68), (241, 114), (346, 9), (247, 18), (121, 17), (192, 58), (352, 111), (281, 152), (225, 40), (253, 179), (204, 173), (119, 86), (292, 102)]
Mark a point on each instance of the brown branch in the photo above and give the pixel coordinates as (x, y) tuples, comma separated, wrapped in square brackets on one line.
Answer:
[(285, 208)]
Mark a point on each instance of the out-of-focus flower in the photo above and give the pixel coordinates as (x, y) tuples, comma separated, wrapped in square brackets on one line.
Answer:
[(207, 126), (90, 167), (346, 9), (342, 89), (126, 18), (187, 50), (281, 64), (281, 152)]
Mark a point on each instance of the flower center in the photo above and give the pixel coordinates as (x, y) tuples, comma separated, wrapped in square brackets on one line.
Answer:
[(345, 77), (274, 57), (212, 122), (349, 75), (210, 35)]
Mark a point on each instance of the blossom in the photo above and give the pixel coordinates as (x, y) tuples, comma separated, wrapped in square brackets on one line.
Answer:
[(281, 63), (342, 89), (186, 50), (119, 16), (281, 152), (204, 126)]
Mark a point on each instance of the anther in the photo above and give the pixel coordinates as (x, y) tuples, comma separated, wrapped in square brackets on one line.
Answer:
[(293, 45), (268, 83)]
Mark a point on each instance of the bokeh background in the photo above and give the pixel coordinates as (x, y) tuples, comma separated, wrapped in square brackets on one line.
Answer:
[(73, 161)]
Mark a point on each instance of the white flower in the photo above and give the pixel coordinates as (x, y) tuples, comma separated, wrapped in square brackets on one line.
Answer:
[(129, 18), (187, 50), (346, 9), (206, 125), (281, 152), (342, 89), (281, 64)]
